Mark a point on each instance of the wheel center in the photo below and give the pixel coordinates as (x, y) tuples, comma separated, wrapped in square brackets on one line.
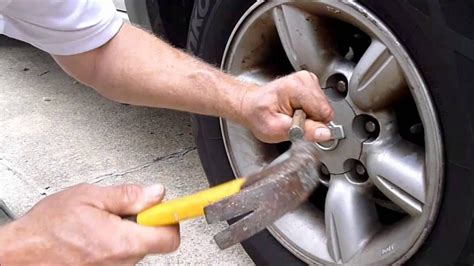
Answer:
[(335, 152), (337, 132)]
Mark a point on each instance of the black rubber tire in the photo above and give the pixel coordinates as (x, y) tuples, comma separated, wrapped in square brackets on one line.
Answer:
[(440, 38)]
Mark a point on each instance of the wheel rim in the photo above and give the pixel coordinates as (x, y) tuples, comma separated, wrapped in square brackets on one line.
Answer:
[(379, 200)]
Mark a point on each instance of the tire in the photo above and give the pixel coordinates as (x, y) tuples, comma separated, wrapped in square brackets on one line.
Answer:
[(440, 39)]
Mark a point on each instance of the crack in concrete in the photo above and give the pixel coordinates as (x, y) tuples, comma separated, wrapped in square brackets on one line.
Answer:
[(178, 154), (19, 175), (46, 191)]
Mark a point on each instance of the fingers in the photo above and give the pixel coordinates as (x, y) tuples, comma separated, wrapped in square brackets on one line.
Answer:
[(316, 131), (274, 129), (270, 109), (307, 94), (154, 240), (129, 199)]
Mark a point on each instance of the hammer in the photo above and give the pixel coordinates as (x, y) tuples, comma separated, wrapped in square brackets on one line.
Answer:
[(269, 194), (256, 201)]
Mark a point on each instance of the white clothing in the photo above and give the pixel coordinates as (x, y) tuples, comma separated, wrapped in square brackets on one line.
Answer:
[(60, 27)]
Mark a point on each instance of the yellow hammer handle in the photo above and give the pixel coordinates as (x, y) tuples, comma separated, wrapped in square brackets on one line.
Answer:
[(175, 210)]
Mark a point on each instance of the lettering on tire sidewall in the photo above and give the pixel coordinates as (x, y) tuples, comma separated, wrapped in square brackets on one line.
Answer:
[(388, 249), (200, 11)]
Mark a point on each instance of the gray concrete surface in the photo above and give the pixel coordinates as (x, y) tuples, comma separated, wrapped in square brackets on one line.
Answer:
[(55, 133)]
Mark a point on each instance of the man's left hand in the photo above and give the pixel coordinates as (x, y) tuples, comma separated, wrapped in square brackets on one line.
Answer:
[(268, 110)]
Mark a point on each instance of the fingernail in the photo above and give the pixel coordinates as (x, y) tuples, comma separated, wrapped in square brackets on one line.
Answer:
[(154, 191), (322, 134)]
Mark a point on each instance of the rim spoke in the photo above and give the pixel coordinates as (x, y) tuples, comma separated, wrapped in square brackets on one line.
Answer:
[(257, 76), (351, 220), (306, 39), (377, 80), (398, 172)]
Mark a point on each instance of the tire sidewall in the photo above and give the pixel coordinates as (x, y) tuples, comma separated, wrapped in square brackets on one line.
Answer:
[(436, 60)]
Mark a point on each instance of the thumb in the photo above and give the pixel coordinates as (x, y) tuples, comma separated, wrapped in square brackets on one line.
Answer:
[(316, 131), (130, 199)]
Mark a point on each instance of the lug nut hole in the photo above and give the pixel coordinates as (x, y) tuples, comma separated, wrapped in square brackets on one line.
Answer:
[(336, 87), (366, 127), (356, 171)]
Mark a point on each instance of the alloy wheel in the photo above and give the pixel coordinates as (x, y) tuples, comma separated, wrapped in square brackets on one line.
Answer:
[(382, 183)]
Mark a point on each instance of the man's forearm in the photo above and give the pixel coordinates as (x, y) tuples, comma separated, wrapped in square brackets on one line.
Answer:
[(138, 68)]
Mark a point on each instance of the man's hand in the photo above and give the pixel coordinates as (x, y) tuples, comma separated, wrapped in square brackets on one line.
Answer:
[(268, 110), (82, 225)]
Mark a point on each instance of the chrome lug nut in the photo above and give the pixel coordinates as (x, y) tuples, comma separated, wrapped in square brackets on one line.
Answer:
[(341, 86), (370, 126), (360, 169)]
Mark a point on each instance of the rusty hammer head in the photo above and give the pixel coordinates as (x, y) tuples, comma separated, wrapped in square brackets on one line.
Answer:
[(267, 195)]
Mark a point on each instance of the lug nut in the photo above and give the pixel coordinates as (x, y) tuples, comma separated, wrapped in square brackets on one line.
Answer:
[(360, 169), (341, 86), (370, 126)]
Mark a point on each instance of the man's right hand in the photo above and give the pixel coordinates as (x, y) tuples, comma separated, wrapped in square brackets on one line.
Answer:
[(82, 225)]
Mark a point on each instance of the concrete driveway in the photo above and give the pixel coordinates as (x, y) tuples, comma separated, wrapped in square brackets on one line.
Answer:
[(55, 133)]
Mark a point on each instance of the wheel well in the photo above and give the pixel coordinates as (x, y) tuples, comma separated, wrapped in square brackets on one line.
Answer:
[(170, 19)]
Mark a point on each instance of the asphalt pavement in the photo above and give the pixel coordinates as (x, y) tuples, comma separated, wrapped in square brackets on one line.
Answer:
[(55, 133)]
